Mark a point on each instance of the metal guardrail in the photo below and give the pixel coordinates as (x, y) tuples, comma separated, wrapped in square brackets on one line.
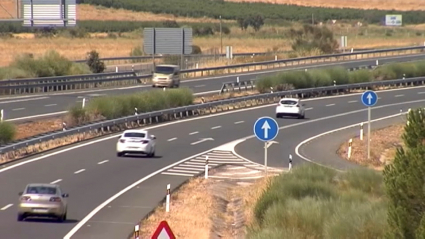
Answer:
[(205, 108), (65, 83), (246, 54)]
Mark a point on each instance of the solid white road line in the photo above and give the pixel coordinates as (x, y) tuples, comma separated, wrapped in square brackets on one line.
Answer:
[(56, 181), (297, 148), (38, 116), (102, 162), (79, 171), (6, 207), (172, 139), (22, 100)]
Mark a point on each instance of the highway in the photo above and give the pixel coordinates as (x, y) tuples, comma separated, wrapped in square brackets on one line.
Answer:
[(33, 106), (91, 173)]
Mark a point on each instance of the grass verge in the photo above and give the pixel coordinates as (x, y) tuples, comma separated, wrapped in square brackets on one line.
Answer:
[(316, 202), (338, 75)]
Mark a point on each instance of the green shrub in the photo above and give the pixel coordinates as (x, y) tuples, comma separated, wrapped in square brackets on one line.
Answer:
[(7, 132), (117, 106), (359, 76), (365, 180), (94, 62), (275, 233)]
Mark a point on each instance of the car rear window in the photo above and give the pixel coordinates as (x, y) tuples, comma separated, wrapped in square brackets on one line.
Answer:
[(288, 102), (41, 190), (134, 135)]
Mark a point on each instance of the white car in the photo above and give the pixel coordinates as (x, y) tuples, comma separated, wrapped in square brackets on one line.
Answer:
[(290, 107), (136, 142)]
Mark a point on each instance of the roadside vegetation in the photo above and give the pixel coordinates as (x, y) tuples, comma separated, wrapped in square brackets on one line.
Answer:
[(317, 202), (326, 77)]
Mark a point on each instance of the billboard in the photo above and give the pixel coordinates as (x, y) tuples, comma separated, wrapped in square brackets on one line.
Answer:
[(173, 41), (49, 13), (393, 20)]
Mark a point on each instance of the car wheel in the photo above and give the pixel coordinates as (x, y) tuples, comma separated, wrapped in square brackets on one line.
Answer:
[(153, 86), (153, 153), (120, 154), (277, 116), (20, 217), (61, 218), (64, 217)]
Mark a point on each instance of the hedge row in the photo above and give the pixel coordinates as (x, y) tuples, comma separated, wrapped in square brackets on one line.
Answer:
[(235, 10), (50, 64), (112, 107), (326, 77), (106, 26), (317, 202)]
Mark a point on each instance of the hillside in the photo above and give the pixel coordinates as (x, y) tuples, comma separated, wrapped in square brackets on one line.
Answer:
[(400, 5)]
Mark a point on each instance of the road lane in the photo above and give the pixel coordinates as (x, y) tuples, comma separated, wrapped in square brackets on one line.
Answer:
[(18, 107), (98, 182)]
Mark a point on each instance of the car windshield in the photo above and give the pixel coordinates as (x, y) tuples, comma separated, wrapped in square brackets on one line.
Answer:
[(288, 102), (41, 190), (164, 70), (134, 135)]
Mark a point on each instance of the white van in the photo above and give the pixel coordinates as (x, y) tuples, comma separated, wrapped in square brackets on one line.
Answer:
[(166, 76)]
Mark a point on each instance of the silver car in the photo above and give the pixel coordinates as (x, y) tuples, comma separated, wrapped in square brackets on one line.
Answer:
[(42, 200)]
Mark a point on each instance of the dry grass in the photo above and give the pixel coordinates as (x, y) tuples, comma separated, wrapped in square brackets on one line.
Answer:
[(188, 201), (32, 128), (76, 49), (90, 12), (406, 5), (383, 147)]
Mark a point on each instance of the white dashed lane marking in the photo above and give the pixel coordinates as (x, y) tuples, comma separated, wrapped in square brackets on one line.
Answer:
[(352, 101), (6, 207), (398, 95), (172, 139), (51, 105), (330, 105), (18, 109), (79, 171), (102, 162), (194, 133), (239, 122), (216, 127), (56, 181)]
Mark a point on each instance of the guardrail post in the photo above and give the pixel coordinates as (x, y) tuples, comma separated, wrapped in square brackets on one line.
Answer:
[(136, 232), (63, 126), (206, 167), (167, 199)]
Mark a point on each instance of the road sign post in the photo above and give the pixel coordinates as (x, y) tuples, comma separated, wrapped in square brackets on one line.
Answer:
[(266, 129), (369, 98)]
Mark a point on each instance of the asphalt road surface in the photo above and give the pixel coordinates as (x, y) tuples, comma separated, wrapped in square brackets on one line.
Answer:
[(92, 173), (33, 106)]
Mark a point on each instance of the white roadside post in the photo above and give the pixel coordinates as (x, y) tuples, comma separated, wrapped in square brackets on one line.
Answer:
[(369, 98), (163, 88), (350, 144), (290, 162), (116, 69), (266, 129), (408, 112), (137, 232), (377, 62), (1, 115), (167, 199), (237, 79), (206, 167), (84, 103), (361, 131)]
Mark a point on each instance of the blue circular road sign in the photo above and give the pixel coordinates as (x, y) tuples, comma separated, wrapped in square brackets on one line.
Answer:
[(266, 128), (369, 98)]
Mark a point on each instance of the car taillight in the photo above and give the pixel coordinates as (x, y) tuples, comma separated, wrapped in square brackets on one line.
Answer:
[(55, 199), (145, 141), (25, 198), (122, 140)]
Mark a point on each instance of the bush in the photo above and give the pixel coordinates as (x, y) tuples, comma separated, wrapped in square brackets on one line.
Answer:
[(94, 62), (7, 132), (50, 64), (326, 77), (116, 106), (318, 202)]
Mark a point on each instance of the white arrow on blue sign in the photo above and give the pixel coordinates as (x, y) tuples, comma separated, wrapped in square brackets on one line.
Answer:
[(369, 98), (266, 128)]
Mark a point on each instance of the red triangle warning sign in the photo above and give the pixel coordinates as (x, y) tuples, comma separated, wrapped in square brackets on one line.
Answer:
[(163, 231)]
